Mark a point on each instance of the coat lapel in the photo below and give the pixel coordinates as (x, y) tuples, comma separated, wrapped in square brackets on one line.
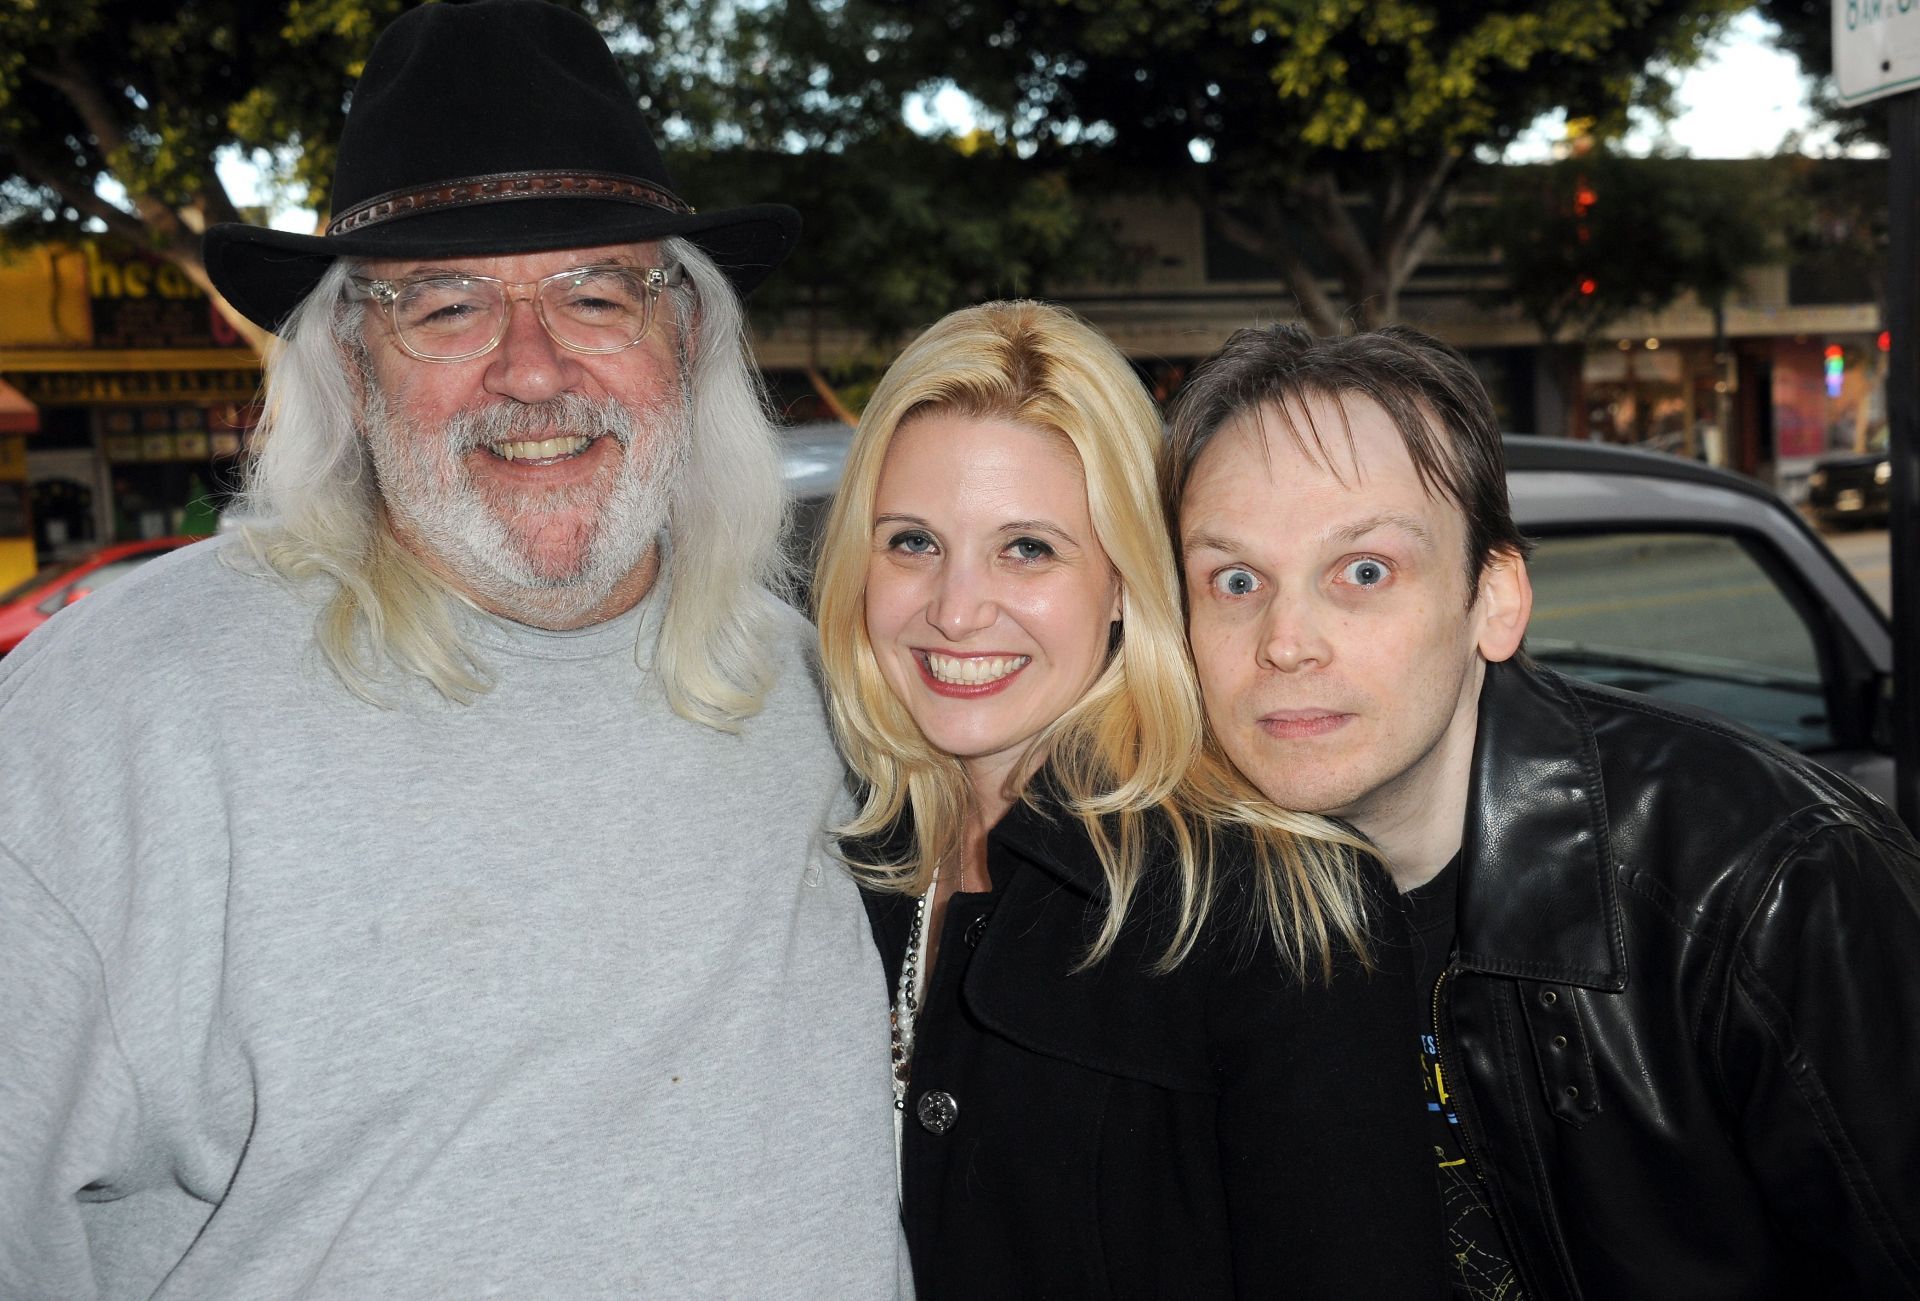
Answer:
[(1537, 898)]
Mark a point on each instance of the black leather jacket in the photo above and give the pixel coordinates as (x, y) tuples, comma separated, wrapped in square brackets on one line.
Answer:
[(1683, 1024)]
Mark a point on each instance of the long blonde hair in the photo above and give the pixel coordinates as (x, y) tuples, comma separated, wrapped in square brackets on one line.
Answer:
[(1124, 754), (311, 507)]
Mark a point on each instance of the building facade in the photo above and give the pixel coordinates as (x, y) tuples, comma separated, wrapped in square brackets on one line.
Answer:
[(127, 401), (140, 400)]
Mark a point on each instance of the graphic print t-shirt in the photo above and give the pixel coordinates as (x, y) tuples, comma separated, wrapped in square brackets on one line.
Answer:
[(1479, 1265)]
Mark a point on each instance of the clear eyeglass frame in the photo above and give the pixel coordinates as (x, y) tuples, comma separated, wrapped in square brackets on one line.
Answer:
[(655, 281)]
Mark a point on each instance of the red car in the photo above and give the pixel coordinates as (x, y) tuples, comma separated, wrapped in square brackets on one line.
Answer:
[(32, 603)]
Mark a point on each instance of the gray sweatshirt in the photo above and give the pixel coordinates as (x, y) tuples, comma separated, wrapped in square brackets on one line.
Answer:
[(551, 995)]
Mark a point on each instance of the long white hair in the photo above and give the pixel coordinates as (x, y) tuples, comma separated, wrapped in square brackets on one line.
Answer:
[(310, 510)]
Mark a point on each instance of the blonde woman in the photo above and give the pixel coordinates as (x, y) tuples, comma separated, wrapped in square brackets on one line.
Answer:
[(1150, 1037)]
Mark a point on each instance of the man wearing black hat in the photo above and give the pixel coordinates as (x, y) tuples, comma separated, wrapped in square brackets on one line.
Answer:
[(421, 892)]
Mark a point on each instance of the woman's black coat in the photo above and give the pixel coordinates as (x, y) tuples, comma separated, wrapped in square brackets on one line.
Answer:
[(1216, 1132)]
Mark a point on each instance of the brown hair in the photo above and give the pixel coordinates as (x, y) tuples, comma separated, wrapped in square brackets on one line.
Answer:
[(1427, 389)]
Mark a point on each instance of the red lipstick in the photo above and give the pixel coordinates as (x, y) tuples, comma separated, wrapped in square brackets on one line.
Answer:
[(966, 690)]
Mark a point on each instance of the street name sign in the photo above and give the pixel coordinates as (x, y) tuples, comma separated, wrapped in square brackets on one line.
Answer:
[(1876, 48)]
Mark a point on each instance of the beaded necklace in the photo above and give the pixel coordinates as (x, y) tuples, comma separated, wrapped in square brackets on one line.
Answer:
[(905, 1013), (902, 1019)]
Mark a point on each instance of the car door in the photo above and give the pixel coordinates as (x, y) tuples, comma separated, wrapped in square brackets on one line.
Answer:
[(1664, 577)]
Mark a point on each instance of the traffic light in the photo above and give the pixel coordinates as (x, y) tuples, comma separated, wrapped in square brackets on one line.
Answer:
[(1583, 200)]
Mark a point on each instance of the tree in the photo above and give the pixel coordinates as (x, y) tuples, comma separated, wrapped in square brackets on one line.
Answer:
[(1590, 239), (771, 102), (901, 229), (113, 113), (1323, 134)]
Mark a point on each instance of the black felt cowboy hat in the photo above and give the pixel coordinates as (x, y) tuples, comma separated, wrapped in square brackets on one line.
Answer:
[(495, 126)]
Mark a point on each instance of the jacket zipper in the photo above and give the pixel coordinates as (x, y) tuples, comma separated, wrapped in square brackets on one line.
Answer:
[(1473, 1158), (1440, 1064)]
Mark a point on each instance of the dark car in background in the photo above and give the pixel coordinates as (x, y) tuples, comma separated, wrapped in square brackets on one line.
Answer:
[(53, 589), (1653, 574), (1850, 489)]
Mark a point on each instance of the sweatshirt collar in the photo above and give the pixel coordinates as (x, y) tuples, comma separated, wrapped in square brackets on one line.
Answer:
[(632, 632)]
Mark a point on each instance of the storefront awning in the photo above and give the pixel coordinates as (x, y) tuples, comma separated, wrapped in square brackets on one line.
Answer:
[(17, 415)]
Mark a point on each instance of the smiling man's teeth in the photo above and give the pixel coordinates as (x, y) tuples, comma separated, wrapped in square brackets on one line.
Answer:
[(976, 671), (542, 449)]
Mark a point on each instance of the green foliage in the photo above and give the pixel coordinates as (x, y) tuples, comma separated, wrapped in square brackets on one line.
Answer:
[(777, 102), (1347, 116), (755, 100), (901, 229), (139, 97), (1588, 240), (1299, 79)]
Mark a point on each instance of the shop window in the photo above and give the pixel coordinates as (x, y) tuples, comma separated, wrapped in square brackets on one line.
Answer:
[(62, 514)]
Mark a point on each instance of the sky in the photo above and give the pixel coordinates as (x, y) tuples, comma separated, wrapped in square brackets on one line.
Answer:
[(1743, 101)]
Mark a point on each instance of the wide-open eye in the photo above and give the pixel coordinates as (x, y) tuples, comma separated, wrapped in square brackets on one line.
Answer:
[(1365, 572), (1235, 581), (915, 542)]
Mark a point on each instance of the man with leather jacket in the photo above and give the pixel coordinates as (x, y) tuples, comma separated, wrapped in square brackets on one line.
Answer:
[(1673, 1033)]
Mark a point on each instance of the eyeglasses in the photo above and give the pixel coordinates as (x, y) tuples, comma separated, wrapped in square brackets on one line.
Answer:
[(457, 317)]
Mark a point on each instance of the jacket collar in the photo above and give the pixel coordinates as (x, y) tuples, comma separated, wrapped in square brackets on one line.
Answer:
[(1041, 829), (1537, 893)]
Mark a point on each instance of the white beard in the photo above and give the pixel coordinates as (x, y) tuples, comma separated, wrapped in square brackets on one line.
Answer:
[(488, 547)]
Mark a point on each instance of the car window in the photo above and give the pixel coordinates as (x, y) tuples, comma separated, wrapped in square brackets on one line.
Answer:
[(93, 580), (1688, 617)]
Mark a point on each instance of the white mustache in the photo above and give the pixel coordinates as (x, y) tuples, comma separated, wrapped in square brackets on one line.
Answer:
[(507, 422)]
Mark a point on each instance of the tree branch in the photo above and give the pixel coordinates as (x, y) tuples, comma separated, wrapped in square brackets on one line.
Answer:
[(829, 396), (1316, 306), (96, 112), (1400, 264), (215, 205), (1319, 201), (181, 249), (117, 220), (1406, 236)]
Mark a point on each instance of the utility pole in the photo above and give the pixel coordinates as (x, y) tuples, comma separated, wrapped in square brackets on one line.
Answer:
[(1876, 55)]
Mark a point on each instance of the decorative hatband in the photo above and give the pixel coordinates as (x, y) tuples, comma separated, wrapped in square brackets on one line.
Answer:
[(501, 187)]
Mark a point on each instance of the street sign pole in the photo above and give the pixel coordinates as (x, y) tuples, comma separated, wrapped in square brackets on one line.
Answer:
[(1903, 444), (1876, 55)]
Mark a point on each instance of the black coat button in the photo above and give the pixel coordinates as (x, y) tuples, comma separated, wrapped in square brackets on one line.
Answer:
[(976, 931), (937, 1111)]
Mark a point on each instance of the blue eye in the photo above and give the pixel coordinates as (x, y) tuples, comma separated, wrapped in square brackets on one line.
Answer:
[(1236, 582), (912, 541), (1029, 549), (1365, 572)]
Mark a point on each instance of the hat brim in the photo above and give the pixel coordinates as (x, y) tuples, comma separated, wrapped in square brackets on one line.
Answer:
[(265, 273)]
